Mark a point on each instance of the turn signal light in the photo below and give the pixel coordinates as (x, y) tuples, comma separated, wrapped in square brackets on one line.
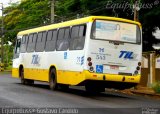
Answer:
[(138, 68), (89, 59), (136, 72), (91, 69), (139, 63), (90, 64)]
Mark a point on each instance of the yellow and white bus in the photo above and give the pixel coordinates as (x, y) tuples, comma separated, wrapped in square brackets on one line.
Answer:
[(97, 52)]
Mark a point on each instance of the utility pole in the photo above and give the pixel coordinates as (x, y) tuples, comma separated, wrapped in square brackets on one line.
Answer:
[(136, 10), (52, 11), (152, 67), (2, 35)]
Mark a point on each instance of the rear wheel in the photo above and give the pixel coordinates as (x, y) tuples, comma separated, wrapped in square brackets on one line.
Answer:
[(53, 79)]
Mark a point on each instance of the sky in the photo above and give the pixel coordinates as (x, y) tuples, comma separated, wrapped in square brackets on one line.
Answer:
[(6, 3)]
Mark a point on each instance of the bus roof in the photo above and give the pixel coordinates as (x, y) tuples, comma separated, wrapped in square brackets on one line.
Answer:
[(75, 22)]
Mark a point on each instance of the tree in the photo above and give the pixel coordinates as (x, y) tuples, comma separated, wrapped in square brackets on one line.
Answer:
[(149, 17), (29, 13)]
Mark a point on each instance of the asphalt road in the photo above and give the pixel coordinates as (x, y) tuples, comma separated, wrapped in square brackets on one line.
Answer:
[(39, 96)]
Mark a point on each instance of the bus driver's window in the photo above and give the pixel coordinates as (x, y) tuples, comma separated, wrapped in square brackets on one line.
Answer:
[(17, 50)]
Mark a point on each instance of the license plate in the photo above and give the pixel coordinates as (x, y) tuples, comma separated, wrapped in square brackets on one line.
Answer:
[(114, 67)]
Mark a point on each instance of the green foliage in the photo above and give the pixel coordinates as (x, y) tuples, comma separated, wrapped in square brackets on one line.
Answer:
[(8, 55), (25, 15), (156, 87)]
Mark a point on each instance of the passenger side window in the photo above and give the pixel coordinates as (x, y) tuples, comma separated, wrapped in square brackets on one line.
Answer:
[(41, 41), (24, 43), (32, 42), (51, 40), (62, 43), (77, 37)]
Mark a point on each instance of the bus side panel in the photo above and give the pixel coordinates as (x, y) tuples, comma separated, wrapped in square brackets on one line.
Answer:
[(69, 66), (15, 72), (36, 74), (69, 77), (15, 68)]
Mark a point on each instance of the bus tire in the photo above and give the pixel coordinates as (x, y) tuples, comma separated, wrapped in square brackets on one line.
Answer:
[(53, 79), (29, 82), (23, 81)]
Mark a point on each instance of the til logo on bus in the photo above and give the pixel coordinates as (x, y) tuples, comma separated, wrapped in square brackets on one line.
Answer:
[(35, 59), (101, 50), (126, 54)]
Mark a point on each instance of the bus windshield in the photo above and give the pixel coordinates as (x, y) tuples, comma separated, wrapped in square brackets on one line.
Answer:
[(115, 31)]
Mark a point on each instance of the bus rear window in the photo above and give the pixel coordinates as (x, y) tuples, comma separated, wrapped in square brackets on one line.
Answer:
[(115, 31)]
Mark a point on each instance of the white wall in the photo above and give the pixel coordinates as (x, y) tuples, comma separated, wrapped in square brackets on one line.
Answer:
[(158, 62)]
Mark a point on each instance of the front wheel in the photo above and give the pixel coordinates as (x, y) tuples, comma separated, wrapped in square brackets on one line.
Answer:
[(23, 81), (53, 79)]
